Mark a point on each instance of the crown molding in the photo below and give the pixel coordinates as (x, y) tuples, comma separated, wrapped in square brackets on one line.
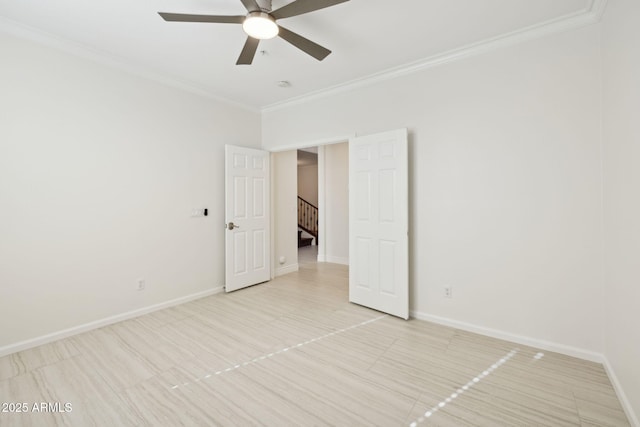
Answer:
[(588, 16), (21, 31)]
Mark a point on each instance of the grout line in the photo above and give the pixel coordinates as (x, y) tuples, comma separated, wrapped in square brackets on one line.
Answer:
[(464, 388), (575, 401), (381, 355), (282, 350)]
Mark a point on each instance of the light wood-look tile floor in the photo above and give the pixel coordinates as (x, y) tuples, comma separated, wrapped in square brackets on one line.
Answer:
[(294, 352)]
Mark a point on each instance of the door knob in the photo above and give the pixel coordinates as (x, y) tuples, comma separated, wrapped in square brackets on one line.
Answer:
[(231, 226)]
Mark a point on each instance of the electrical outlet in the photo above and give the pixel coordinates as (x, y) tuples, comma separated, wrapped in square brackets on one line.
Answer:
[(141, 285), (448, 292)]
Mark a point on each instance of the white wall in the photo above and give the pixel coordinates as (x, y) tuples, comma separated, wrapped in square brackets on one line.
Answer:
[(621, 59), (99, 172), (506, 182), (335, 211), (308, 183), (285, 211)]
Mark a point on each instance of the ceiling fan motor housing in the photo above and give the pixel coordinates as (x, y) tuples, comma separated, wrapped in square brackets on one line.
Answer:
[(260, 24), (265, 5)]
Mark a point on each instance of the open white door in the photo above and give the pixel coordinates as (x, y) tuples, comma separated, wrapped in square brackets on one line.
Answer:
[(378, 222), (247, 240)]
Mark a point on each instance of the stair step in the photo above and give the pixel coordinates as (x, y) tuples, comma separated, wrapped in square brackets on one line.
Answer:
[(304, 241)]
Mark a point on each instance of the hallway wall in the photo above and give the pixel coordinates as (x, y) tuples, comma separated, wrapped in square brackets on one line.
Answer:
[(506, 184)]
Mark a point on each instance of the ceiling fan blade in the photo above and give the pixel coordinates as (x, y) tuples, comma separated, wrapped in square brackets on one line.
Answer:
[(251, 5), (303, 6), (184, 17), (303, 44), (248, 51)]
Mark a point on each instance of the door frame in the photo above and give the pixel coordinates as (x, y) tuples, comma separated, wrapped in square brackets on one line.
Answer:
[(321, 202), (335, 140), (323, 190)]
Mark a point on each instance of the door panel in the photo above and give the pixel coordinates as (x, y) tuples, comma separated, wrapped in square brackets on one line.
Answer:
[(378, 225), (259, 197), (247, 207)]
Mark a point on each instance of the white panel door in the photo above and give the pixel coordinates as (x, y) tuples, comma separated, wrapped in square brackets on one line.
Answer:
[(247, 244), (378, 222)]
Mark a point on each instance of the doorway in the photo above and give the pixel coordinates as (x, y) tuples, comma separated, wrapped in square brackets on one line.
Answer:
[(323, 204), (331, 172), (307, 205), (373, 239)]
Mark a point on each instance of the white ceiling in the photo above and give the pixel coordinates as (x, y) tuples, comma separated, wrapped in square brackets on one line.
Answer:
[(366, 36)]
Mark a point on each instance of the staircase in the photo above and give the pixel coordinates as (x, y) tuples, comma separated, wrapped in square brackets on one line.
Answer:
[(307, 221)]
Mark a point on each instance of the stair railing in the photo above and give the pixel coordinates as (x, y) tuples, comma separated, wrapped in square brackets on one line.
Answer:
[(308, 217)]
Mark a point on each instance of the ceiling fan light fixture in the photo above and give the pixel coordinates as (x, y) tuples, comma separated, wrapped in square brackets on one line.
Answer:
[(260, 25)]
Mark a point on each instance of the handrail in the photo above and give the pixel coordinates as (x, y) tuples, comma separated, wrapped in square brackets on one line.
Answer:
[(308, 217), (310, 204)]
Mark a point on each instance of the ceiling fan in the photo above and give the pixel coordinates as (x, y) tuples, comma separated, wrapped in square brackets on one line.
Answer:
[(260, 24)]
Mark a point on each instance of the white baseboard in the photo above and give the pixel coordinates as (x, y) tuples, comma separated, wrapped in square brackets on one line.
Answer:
[(281, 271), (55, 336), (507, 336), (335, 259), (545, 345), (622, 397)]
